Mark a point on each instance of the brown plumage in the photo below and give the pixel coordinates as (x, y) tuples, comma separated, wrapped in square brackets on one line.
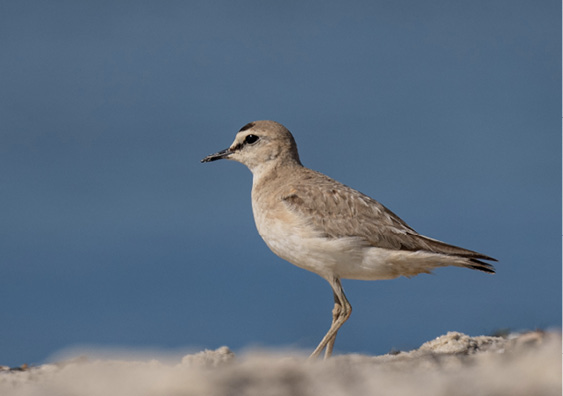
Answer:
[(339, 211)]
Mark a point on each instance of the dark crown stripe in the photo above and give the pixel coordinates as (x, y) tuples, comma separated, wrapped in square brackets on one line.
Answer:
[(247, 126)]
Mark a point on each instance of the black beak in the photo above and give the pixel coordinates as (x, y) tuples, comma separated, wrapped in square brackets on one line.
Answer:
[(217, 156)]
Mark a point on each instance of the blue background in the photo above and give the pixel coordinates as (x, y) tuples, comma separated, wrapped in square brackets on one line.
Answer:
[(113, 234)]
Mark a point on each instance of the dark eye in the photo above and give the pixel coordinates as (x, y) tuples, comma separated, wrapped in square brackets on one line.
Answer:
[(251, 139)]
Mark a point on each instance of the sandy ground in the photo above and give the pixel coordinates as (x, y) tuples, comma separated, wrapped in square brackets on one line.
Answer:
[(453, 364)]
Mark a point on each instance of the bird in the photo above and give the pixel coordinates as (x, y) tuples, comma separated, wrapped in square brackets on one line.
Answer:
[(328, 228)]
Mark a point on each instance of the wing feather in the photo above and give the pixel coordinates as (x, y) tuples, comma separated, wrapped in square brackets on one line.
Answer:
[(336, 210)]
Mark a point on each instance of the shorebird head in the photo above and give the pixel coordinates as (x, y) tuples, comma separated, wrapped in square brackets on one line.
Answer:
[(259, 144)]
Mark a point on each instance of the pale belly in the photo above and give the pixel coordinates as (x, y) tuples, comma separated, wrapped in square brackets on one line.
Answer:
[(347, 258)]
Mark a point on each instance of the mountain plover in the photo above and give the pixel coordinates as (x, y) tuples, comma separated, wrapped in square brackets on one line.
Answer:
[(323, 226)]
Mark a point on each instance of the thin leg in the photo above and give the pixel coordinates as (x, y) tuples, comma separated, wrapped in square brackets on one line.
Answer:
[(340, 316), (335, 314)]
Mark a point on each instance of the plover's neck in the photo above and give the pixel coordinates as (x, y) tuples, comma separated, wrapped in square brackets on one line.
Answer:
[(271, 170)]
